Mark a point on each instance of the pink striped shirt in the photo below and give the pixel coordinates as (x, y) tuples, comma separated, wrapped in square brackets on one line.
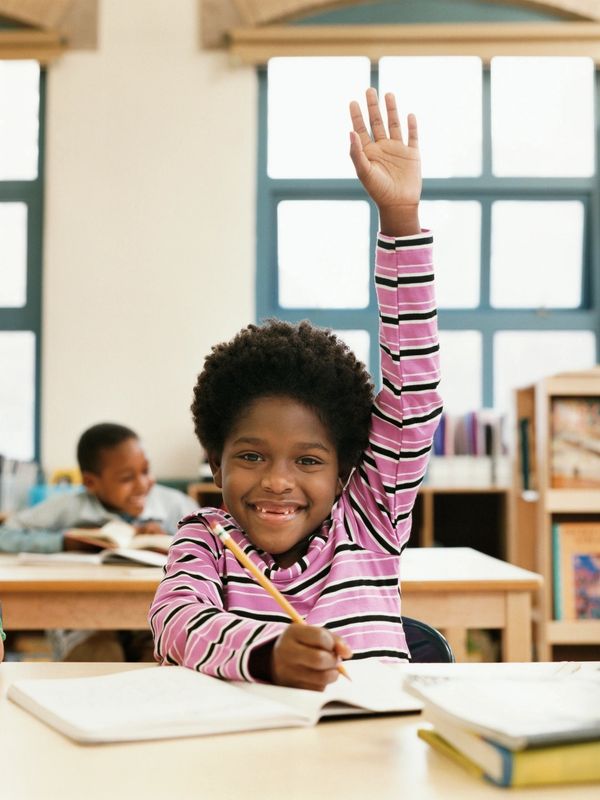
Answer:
[(209, 614)]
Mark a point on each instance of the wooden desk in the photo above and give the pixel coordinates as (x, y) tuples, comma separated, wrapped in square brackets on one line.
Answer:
[(451, 588), (352, 760), (457, 588)]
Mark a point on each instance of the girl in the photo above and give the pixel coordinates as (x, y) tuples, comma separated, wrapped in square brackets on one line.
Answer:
[(318, 481)]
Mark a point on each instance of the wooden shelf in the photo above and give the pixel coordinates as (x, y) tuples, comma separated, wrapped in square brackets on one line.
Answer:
[(580, 631), (431, 526), (553, 505), (573, 501), (205, 493), (429, 488)]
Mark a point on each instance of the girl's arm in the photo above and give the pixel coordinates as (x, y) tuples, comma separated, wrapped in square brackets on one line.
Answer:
[(383, 488), (188, 619)]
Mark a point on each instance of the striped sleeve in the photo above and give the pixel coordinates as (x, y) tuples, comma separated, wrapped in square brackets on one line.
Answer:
[(382, 490), (189, 622)]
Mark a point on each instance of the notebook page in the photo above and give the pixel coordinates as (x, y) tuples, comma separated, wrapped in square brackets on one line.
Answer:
[(153, 703), (375, 687)]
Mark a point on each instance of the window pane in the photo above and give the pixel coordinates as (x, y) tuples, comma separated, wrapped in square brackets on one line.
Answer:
[(315, 271), (358, 342), (456, 228), (445, 94), (531, 266), (523, 357), (308, 118), (19, 112), (13, 254), (542, 116), (17, 355), (460, 362)]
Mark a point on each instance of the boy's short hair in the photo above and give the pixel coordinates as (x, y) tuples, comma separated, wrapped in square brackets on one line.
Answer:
[(308, 364), (97, 438)]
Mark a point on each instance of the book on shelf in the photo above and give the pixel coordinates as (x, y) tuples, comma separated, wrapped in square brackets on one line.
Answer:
[(168, 702), (468, 451), (526, 455), (577, 762), (575, 443), (576, 568)]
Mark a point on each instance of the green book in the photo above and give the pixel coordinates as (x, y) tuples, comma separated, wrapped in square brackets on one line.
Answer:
[(558, 611)]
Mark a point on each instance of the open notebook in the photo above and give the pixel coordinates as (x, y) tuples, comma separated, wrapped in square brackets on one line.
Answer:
[(119, 534), (168, 702), (115, 542)]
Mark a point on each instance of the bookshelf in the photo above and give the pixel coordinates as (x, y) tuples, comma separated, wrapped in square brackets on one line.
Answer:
[(205, 493), (545, 496), (461, 516)]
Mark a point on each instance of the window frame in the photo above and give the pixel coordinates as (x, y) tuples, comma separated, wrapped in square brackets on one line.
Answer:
[(29, 317), (485, 189)]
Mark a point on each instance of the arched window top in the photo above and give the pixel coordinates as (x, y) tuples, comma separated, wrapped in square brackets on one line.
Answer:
[(389, 12)]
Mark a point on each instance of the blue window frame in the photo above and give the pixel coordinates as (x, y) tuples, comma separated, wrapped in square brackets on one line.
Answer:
[(26, 318), (485, 189)]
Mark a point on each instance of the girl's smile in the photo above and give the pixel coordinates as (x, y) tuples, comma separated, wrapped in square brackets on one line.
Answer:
[(279, 475)]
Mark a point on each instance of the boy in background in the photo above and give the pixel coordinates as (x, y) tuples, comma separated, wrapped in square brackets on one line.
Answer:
[(118, 485)]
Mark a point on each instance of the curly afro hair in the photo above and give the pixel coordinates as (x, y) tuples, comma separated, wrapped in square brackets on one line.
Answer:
[(277, 358)]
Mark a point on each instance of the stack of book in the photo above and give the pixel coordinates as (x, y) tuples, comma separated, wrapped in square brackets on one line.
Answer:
[(516, 732), (468, 450)]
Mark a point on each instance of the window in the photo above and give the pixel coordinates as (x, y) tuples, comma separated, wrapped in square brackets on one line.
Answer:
[(21, 123), (508, 194)]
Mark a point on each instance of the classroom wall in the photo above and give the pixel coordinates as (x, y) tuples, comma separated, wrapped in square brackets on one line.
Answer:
[(149, 227)]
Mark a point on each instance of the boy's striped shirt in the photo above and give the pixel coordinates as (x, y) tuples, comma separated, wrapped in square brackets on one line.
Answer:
[(209, 614)]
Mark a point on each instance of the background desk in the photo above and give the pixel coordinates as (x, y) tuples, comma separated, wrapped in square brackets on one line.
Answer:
[(353, 760), (450, 588), (457, 588)]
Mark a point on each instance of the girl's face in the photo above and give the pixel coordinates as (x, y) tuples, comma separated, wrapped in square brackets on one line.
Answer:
[(279, 475)]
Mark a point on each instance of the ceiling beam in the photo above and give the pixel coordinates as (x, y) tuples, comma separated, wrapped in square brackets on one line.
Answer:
[(219, 17), (42, 46), (46, 14), (257, 45)]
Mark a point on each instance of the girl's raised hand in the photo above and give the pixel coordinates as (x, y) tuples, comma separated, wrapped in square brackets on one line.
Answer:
[(388, 168)]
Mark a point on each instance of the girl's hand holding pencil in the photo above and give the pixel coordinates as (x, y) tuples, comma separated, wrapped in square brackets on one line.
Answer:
[(308, 657), (304, 656)]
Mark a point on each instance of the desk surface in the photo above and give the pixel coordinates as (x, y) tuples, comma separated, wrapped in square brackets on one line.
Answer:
[(452, 588), (353, 760), (422, 568)]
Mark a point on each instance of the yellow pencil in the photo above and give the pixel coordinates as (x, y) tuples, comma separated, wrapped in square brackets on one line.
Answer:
[(289, 609)]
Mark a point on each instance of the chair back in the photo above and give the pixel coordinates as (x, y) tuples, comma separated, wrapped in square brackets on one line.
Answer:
[(426, 644)]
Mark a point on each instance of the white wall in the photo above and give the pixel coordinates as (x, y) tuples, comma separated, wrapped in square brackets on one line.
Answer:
[(149, 228)]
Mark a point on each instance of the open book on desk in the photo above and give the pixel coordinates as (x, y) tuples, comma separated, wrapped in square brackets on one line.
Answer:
[(169, 702), (121, 535), (117, 555), (113, 543)]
